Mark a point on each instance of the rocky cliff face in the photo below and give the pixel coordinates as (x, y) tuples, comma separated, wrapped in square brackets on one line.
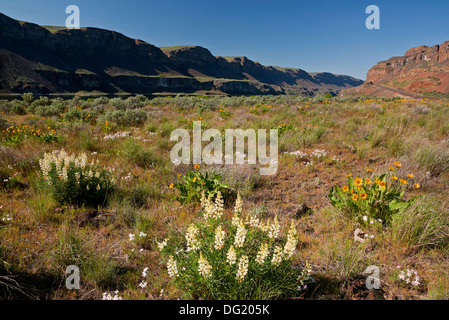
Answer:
[(54, 60), (421, 70)]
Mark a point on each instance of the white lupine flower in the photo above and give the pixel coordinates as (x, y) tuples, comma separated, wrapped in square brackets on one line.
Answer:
[(275, 228), (60, 164), (242, 268), (240, 235), (64, 173), (172, 268), (220, 236), (219, 205), (235, 220), (191, 237), (162, 244), (238, 204), (144, 272), (231, 256), (213, 209), (277, 256), (143, 284), (208, 208), (264, 227), (263, 253), (204, 268), (292, 242), (203, 200), (254, 221)]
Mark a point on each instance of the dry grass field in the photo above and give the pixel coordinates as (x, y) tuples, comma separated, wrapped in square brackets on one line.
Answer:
[(114, 228)]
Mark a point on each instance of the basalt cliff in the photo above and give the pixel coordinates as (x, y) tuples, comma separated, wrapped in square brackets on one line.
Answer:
[(421, 71), (44, 60)]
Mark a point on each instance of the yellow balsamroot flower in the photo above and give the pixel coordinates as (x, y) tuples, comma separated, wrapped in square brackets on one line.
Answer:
[(382, 184), (417, 186), (345, 189), (194, 180), (368, 181), (404, 182), (358, 181), (348, 175), (369, 170), (172, 186), (394, 178), (411, 175), (364, 196), (179, 176), (355, 196), (197, 166), (397, 164), (392, 169)]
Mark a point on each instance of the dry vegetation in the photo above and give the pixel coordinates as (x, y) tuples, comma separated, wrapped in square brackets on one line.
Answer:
[(322, 141)]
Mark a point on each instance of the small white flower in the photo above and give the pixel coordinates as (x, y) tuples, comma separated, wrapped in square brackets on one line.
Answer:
[(132, 237)]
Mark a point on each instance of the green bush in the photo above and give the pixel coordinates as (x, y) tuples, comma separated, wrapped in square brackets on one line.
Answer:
[(72, 180), (17, 107), (3, 123), (239, 259), (28, 98), (124, 118)]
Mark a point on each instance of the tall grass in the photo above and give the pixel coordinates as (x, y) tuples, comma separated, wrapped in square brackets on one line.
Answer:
[(424, 225)]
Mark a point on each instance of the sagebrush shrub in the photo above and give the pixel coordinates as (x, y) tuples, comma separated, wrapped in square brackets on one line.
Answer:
[(238, 258), (72, 180), (125, 118)]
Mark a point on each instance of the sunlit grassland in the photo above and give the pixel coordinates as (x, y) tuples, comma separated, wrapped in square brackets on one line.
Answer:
[(40, 237)]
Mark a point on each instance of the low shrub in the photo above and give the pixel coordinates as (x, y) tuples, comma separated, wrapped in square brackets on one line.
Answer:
[(124, 118), (72, 180)]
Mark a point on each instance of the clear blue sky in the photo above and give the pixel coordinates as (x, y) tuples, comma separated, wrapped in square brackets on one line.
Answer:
[(314, 35)]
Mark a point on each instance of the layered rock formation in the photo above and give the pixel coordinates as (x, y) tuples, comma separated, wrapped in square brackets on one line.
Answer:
[(422, 70), (56, 60)]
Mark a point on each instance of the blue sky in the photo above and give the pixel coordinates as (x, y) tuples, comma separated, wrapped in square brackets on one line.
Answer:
[(314, 35)]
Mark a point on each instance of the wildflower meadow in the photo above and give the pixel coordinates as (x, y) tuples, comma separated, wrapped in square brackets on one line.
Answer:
[(361, 184)]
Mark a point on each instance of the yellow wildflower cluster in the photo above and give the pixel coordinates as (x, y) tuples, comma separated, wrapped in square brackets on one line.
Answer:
[(260, 109), (24, 130)]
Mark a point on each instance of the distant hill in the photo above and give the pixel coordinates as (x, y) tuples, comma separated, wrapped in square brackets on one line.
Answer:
[(422, 71), (58, 60)]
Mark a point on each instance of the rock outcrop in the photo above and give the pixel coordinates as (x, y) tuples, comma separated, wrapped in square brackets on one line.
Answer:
[(56, 60), (422, 70)]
